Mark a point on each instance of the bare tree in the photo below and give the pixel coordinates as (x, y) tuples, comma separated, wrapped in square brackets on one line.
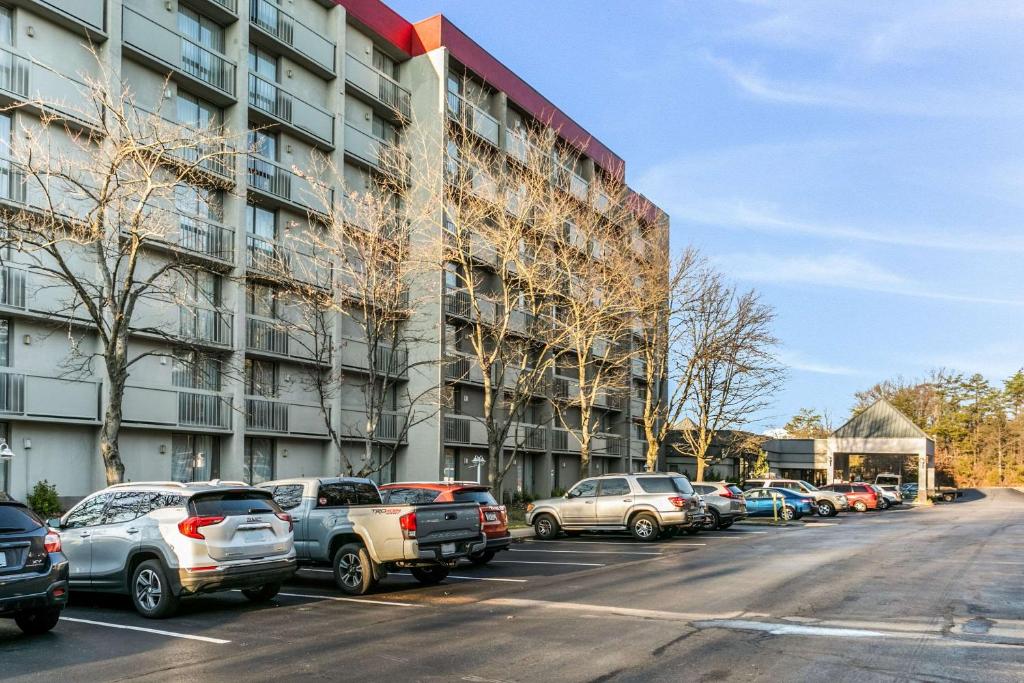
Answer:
[(728, 350), (95, 184)]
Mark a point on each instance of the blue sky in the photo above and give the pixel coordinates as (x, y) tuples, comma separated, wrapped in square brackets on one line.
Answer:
[(859, 163)]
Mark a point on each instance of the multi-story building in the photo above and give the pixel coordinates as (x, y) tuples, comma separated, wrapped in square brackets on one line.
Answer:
[(338, 78)]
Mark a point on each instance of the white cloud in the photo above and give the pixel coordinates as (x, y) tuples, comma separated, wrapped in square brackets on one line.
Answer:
[(796, 360)]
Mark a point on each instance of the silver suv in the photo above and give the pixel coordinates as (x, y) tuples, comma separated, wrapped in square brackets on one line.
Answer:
[(161, 541), (645, 504)]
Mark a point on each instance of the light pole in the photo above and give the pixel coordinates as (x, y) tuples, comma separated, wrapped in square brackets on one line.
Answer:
[(478, 461)]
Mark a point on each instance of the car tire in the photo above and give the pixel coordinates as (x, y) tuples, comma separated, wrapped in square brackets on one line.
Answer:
[(713, 520), (262, 593), (825, 508), (948, 497), (481, 558), (787, 513), (151, 591), (883, 504), (37, 622), (860, 506), (353, 570), (546, 527), (644, 527), (430, 576)]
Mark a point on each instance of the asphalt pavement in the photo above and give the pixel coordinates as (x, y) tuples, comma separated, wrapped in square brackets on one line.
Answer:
[(909, 594)]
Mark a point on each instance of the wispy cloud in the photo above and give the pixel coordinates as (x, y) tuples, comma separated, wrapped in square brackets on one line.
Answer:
[(838, 271), (796, 360)]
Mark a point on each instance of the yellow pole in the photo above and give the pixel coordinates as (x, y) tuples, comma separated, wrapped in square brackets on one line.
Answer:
[(775, 507)]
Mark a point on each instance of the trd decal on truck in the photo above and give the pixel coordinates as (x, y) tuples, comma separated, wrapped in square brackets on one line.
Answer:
[(387, 511)]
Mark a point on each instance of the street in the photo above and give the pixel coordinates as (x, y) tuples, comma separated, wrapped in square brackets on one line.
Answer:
[(906, 594)]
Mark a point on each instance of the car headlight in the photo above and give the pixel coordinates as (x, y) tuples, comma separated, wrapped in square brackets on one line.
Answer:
[(529, 507)]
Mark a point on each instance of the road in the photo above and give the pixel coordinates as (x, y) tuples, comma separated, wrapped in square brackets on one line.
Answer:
[(904, 595)]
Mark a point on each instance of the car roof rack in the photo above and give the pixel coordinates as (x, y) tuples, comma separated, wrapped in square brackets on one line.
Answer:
[(126, 484)]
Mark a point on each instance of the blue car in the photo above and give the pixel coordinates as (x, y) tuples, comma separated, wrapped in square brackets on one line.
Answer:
[(790, 504)]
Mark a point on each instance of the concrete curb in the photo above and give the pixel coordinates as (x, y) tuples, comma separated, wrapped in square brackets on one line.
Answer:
[(524, 532)]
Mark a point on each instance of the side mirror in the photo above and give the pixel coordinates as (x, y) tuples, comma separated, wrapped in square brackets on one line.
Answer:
[(569, 494), (53, 522)]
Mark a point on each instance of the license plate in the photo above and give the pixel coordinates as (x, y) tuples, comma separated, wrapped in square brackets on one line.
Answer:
[(3, 559), (257, 536), (491, 516), (447, 548)]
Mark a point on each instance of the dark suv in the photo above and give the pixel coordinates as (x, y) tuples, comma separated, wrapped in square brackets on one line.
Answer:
[(33, 570)]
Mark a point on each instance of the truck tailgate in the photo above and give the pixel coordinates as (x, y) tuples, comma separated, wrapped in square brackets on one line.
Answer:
[(438, 523)]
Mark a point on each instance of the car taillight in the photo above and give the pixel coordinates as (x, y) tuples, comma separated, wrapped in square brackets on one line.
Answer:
[(408, 524), (727, 494), (190, 527), (677, 501), (285, 517), (52, 542), (483, 517)]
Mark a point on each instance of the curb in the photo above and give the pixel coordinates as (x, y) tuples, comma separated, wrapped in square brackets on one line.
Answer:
[(523, 532)]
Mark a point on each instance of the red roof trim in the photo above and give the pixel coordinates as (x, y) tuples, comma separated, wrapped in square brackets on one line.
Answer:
[(437, 31)]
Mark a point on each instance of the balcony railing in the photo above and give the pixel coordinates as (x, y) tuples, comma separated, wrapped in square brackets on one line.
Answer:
[(459, 304), (205, 325), (638, 366), (304, 40), (204, 409), (12, 392), (271, 178), (518, 146), (266, 415), (39, 396), (456, 429), (271, 99), (88, 12), (203, 236), (613, 444), (383, 155), (266, 334), (150, 38), (277, 261), (12, 287), (378, 85), (473, 118), (14, 72)]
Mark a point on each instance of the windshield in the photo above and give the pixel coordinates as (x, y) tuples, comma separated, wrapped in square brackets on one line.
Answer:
[(809, 486), (18, 519)]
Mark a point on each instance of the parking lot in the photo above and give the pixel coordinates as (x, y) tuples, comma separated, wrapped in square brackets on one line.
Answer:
[(906, 594)]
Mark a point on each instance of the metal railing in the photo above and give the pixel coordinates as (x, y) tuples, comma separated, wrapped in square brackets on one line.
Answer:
[(378, 85), (457, 369), (12, 392), (559, 439), (266, 334), (391, 361), (274, 179), (14, 71), (205, 325), (457, 303), (266, 255), (197, 409), (473, 117), (535, 437), (12, 287), (613, 444), (265, 415), (272, 99), (271, 19), (456, 429), (12, 181), (269, 98), (389, 425), (203, 236)]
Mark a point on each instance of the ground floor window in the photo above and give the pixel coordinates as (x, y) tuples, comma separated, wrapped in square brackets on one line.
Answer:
[(195, 457), (259, 460), (449, 463)]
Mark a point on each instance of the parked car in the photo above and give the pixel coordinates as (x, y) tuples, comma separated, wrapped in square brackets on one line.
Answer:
[(342, 521), (883, 500), (908, 490), (827, 503), (786, 503), (725, 503), (495, 516), (646, 505), (861, 496), (162, 541), (33, 570)]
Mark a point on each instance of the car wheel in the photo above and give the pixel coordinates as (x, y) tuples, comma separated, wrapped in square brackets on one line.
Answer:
[(262, 593), (948, 497), (481, 558), (788, 513), (37, 622), (151, 591), (545, 527), (644, 527), (826, 509), (713, 520), (883, 504), (353, 571), (430, 576), (860, 506)]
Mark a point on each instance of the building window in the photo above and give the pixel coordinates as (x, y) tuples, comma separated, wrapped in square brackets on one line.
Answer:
[(261, 300), (200, 30), (195, 457), (383, 130), (196, 112), (260, 378), (6, 26), (259, 460), (202, 288), (194, 370), (262, 142), (384, 64)]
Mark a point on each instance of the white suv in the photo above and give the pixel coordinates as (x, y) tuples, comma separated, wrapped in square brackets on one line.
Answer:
[(161, 541)]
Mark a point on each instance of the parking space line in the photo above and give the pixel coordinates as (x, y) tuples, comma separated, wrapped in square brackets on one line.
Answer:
[(584, 552), (336, 598), (472, 578), (561, 564), (635, 545), (172, 634)]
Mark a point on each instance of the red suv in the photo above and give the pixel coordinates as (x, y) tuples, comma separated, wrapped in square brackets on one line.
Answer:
[(861, 496), (493, 517)]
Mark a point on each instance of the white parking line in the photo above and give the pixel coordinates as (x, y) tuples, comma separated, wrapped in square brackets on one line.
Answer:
[(473, 578), (635, 545), (561, 564), (584, 552), (172, 634), (358, 600)]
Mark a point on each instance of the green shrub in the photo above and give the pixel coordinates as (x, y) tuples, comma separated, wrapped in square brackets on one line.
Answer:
[(43, 500)]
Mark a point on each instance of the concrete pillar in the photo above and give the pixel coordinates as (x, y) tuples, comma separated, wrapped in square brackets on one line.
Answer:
[(922, 479)]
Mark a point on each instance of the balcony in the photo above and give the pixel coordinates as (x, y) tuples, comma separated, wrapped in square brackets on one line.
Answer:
[(473, 118), (204, 237), (275, 261), (377, 87), (87, 18), (521, 321), (519, 147), (609, 444), (205, 326), (387, 361), (166, 48), (636, 406), (463, 429), (308, 121), (277, 416), (169, 407), (355, 425), (459, 304), (223, 12), (564, 441), (638, 367), (278, 337), (566, 389), (637, 449), (464, 367), (528, 437), (639, 246), (12, 287), (369, 150), (48, 398), (286, 33), (285, 186)]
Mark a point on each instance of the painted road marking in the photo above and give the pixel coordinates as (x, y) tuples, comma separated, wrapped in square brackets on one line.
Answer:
[(358, 600), (469, 578), (632, 543), (172, 634), (777, 629), (560, 564), (584, 552)]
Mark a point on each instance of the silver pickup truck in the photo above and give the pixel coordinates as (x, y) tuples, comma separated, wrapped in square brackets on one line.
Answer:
[(342, 522)]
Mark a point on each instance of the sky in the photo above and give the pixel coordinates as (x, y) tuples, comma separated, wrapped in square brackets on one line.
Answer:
[(860, 164)]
